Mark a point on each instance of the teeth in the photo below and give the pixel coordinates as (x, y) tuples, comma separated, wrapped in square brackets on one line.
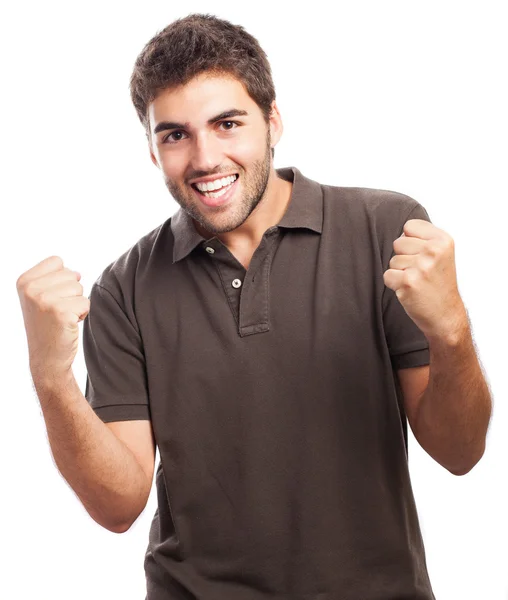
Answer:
[(221, 192), (216, 184)]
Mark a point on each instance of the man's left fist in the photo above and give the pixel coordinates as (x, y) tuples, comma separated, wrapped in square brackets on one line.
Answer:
[(422, 273)]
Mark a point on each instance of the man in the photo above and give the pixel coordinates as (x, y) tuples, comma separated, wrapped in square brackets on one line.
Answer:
[(271, 338)]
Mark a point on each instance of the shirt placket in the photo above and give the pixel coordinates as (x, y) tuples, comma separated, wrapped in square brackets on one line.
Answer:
[(246, 291)]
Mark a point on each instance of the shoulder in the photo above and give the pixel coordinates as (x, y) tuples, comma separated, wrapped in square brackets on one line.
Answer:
[(385, 211), (372, 201)]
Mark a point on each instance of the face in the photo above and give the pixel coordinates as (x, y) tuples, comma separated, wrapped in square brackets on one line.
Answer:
[(212, 128)]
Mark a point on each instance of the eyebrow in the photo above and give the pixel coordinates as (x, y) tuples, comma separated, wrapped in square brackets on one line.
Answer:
[(233, 112)]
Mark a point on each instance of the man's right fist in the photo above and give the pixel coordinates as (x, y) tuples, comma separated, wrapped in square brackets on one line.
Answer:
[(53, 304)]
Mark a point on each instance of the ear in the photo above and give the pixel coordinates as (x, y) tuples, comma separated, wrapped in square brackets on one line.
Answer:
[(154, 160), (276, 127), (150, 149)]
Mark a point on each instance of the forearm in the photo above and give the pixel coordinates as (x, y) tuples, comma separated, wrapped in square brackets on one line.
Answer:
[(100, 469), (454, 412)]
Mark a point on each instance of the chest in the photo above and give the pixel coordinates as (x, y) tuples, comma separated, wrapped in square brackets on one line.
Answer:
[(293, 341), (300, 294)]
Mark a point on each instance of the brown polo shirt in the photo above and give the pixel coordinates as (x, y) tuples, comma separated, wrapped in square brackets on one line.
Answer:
[(274, 401)]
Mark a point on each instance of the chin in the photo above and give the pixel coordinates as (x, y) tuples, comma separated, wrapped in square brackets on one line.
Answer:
[(224, 227)]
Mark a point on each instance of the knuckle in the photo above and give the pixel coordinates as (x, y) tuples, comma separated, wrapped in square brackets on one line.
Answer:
[(425, 269), (411, 278), (431, 249), (45, 301), (23, 280), (30, 289)]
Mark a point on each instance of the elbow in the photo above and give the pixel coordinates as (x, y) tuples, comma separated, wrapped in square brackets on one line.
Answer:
[(123, 527), (120, 528), (466, 468), (114, 527), (460, 472)]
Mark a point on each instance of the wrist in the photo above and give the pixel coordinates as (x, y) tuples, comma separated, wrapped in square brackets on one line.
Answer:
[(48, 380), (451, 335)]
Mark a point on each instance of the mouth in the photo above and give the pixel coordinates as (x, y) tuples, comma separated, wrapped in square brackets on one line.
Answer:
[(217, 197)]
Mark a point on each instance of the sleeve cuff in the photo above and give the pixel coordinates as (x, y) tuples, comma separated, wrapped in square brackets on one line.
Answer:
[(416, 358), (123, 412)]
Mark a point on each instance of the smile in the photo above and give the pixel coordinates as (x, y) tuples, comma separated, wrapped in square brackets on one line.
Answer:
[(217, 197)]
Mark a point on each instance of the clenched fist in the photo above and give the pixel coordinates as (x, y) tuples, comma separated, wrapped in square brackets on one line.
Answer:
[(53, 304)]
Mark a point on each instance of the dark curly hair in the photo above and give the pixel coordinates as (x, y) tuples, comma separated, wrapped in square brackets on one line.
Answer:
[(195, 44)]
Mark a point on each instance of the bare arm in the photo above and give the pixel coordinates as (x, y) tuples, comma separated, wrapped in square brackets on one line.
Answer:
[(109, 468), (454, 411), (101, 469)]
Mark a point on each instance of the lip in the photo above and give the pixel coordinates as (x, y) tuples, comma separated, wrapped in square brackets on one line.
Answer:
[(213, 178), (221, 200)]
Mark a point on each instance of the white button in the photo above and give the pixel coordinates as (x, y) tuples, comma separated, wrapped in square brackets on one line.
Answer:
[(236, 283), (210, 250)]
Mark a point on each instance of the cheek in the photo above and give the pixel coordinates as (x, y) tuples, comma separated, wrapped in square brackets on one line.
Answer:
[(245, 149), (173, 167)]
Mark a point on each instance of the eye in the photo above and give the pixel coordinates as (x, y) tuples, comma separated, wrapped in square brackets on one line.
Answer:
[(229, 128), (169, 136)]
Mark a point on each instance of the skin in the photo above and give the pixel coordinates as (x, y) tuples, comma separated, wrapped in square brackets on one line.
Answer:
[(237, 144)]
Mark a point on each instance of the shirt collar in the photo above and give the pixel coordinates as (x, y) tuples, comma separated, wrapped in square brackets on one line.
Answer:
[(305, 209)]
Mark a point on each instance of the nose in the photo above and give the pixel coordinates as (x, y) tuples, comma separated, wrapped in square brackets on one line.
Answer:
[(206, 153)]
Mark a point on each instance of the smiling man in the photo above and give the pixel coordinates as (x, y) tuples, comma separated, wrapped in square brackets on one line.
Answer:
[(272, 338)]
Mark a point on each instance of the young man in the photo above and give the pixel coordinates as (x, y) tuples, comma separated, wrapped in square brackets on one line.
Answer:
[(271, 343)]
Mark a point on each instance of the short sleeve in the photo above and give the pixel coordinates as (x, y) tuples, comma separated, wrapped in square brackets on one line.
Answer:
[(116, 382), (407, 345)]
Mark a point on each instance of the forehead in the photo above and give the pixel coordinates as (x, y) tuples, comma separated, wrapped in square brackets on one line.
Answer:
[(202, 97)]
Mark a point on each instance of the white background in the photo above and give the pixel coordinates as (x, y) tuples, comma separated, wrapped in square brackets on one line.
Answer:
[(405, 96)]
